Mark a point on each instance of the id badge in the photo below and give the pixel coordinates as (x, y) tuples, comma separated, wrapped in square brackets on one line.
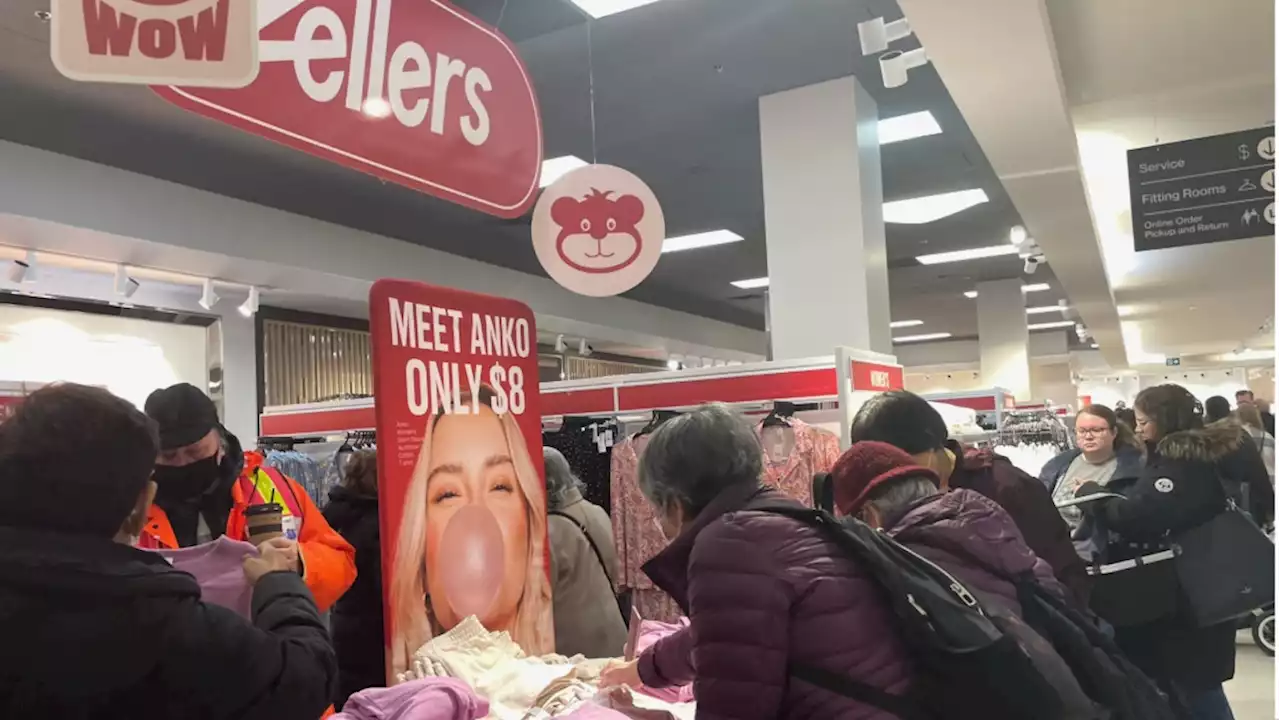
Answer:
[(290, 525)]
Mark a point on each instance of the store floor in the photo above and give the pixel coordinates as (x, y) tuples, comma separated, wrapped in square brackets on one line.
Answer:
[(1253, 691)]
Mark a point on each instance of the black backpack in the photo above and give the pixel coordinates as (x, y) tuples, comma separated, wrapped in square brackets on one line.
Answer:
[(973, 660)]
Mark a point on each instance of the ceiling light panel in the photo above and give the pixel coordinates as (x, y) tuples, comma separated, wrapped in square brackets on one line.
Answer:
[(700, 240), (751, 284), (1043, 309), (970, 254), (1033, 287), (1051, 325), (917, 211), (602, 8), (556, 168), (908, 127), (906, 323), (922, 338)]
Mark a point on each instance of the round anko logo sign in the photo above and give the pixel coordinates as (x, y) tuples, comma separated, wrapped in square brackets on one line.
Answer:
[(598, 230)]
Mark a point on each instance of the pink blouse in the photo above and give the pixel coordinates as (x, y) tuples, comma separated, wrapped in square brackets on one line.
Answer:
[(636, 535), (794, 454)]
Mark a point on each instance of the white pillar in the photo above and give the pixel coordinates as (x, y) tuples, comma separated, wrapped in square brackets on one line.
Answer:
[(824, 221), (1003, 337)]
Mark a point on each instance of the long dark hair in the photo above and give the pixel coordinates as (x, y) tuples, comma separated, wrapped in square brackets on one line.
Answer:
[(362, 473), (1124, 434), (1171, 407)]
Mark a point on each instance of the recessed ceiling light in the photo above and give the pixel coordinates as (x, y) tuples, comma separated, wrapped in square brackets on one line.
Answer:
[(971, 294), (751, 284), (1017, 235), (970, 254), (556, 168), (1046, 309), (1051, 325), (907, 127), (906, 323), (1035, 287), (1093, 345), (922, 338), (915, 211), (700, 240), (601, 8)]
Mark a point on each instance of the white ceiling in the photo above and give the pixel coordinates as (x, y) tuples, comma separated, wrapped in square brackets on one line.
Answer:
[(1157, 71)]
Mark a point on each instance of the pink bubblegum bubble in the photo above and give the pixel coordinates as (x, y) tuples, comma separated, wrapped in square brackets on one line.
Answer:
[(471, 564)]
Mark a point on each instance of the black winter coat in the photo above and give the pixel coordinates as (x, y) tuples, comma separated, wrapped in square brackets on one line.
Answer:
[(1179, 488), (357, 617), (90, 629)]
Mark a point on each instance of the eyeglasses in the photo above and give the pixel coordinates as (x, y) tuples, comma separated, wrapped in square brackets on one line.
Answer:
[(1092, 432)]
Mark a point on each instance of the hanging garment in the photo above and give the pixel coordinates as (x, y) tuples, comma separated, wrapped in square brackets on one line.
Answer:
[(793, 454), (588, 446), (308, 472), (636, 534), (218, 568), (428, 699)]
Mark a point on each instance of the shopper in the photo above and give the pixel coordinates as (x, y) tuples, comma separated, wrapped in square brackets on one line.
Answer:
[(763, 592), (1246, 397), (205, 484), (1216, 408), (583, 563), (1263, 442), (357, 617), (907, 421), (1179, 489), (94, 628), (1106, 453), (1125, 417), (965, 533)]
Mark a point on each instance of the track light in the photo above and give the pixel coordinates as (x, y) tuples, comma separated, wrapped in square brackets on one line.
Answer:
[(560, 346), (207, 297), (24, 271), (250, 306), (895, 64), (583, 348), (125, 286), (875, 34)]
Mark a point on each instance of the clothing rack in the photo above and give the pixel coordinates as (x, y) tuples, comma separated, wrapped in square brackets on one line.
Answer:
[(276, 442)]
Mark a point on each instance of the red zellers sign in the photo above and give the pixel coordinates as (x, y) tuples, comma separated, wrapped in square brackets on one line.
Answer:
[(412, 91)]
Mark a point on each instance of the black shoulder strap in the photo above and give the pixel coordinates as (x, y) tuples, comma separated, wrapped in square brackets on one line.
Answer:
[(599, 557), (860, 691)]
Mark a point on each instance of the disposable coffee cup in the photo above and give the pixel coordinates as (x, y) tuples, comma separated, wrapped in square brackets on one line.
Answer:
[(264, 522)]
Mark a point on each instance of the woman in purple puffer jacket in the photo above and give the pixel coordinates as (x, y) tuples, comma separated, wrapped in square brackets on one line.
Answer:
[(762, 591)]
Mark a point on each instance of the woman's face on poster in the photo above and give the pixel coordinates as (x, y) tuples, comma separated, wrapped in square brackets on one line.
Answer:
[(477, 550)]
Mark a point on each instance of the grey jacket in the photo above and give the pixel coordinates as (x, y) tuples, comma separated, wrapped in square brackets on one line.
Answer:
[(586, 611), (1090, 539)]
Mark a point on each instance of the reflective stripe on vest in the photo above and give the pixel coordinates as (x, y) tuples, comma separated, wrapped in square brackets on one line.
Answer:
[(267, 484)]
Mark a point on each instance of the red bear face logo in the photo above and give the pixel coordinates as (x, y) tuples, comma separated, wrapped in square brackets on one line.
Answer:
[(598, 234)]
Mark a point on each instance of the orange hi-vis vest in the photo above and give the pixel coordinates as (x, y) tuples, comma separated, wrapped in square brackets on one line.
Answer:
[(257, 485)]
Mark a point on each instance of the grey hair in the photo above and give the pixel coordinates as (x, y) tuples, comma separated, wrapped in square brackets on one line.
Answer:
[(561, 482), (891, 499), (692, 458)]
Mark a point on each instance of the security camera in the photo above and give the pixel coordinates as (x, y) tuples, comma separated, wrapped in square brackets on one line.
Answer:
[(876, 34), (1031, 263), (895, 64)]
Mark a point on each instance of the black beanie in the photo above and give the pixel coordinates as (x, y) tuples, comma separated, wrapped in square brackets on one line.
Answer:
[(74, 459)]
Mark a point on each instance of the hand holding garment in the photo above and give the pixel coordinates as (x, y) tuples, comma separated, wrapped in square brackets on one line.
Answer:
[(218, 570)]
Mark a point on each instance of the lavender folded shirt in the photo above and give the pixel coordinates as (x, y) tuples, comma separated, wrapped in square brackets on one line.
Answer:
[(426, 699), (218, 567)]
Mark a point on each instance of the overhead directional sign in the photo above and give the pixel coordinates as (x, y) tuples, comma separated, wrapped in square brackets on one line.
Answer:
[(1205, 190)]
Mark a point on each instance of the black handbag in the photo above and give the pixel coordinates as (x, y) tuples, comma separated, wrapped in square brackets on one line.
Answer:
[(1226, 567)]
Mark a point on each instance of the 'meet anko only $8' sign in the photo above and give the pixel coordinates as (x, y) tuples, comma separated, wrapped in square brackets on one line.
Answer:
[(1205, 190)]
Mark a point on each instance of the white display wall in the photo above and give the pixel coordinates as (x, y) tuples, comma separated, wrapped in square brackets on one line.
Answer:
[(129, 357)]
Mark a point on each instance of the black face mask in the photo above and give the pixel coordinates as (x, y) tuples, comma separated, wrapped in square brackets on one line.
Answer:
[(177, 484)]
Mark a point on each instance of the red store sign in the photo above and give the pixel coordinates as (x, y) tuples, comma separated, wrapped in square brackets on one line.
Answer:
[(415, 92)]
